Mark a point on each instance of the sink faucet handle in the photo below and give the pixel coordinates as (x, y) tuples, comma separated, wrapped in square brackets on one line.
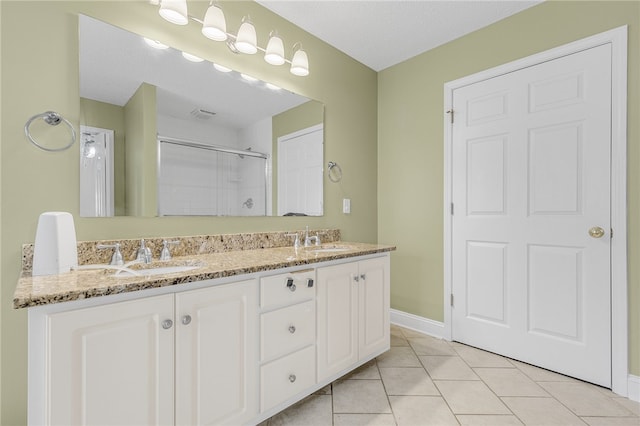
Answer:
[(116, 259), (296, 243), (165, 254)]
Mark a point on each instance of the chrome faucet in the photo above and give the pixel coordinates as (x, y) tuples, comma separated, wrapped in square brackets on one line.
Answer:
[(308, 239), (116, 259), (144, 253), (165, 254)]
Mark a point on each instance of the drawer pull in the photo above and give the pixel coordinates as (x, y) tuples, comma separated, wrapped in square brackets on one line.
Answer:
[(290, 285), (292, 378), (186, 320), (292, 329), (356, 278), (363, 277), (167, 324), (310, 282)]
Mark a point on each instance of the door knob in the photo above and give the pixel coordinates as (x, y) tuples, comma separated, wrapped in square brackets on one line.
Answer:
[(596, 232)]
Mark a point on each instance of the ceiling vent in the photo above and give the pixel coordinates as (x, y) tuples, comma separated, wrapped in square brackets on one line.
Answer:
[(202, 114)]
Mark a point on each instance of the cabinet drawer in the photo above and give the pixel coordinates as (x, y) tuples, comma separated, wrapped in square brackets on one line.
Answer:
[(285, 377), (286, 289), (287, 329)]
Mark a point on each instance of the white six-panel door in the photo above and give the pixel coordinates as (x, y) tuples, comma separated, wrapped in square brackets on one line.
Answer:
[(531, 178)]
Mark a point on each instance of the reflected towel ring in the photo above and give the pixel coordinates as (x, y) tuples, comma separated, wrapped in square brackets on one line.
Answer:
[(338, 175), (53, 119)]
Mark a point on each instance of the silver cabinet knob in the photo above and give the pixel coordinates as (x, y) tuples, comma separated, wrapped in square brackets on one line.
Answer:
[(186, 320), (292, 329), (363, 277), (167, 324), (290, 285), (596, 232), (292, 378), (356, 278)]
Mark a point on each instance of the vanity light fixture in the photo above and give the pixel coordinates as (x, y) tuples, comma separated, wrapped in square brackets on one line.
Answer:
[(273, 86), (246, 40), (174, 11), (155, 44), (192, 58), (214, 27), (300, 61), (248, 78), (274, 53)]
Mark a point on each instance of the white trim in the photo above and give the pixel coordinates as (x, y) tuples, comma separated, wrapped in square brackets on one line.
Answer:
[(417, 323), (619, 317), (634, 388)]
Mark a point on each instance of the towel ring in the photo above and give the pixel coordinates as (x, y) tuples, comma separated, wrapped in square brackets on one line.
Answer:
[(333, 165), (53, 119)]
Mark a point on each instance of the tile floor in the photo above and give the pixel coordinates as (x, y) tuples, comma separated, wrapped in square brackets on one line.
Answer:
[(427, 381)]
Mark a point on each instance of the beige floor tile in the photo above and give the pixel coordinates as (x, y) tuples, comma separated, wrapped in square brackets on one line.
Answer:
[(488, 420), (540, 374), (368, 371), (541, 411), (398, 340), (509, 382), (407, 381), (396, 330), (479, 358), (612, 421), (363, 420), (584, 399), (360, 396), (630, 405), (314, 410), (398, 357), (447, 368), (430, 346), (421, 411), (470, 397), (411, 333)]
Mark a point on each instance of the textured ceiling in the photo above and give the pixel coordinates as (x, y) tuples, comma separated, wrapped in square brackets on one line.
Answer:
[(380, 34)]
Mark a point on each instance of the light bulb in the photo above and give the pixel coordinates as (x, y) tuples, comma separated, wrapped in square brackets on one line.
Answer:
[(300, 63)]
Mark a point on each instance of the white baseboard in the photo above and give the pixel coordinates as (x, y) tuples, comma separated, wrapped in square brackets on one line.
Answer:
[(417, 323), (633, 389)]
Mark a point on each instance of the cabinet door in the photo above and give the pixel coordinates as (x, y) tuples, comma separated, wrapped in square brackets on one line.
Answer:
[(373, 306), (217, 354), (337, 302), (111, 364)]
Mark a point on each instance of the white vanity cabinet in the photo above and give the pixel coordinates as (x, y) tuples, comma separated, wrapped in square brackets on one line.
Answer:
[(110, 364), (287, 336), (353, 314), (114, 364)]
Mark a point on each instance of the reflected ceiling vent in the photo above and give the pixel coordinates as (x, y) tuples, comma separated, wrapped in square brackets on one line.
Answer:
[(202, 114)]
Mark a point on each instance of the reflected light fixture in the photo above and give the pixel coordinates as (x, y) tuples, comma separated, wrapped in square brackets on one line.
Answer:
[(273, 86), (174, 11), (246, 40), (155, 44), (248, 77), (274, 53), (214, 27), (300, 61), (221, 68), (192, 58)]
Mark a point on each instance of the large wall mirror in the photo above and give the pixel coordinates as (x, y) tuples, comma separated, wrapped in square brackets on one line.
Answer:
[(165, 133)]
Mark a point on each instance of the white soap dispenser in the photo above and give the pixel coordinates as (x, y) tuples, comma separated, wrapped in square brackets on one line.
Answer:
[(55, 250)]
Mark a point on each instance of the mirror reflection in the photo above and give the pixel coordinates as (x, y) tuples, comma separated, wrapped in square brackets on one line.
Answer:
[(176, 135)]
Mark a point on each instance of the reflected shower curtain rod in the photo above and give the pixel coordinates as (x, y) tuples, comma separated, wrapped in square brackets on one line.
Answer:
[(194, 144)]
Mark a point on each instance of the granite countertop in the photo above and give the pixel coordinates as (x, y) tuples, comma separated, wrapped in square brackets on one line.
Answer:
[(82, 284)]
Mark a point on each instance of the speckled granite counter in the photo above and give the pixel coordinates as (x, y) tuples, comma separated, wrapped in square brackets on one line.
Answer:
[(82, 284)]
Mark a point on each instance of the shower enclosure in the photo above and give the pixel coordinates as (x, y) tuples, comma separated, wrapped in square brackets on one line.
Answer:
[(197, 179)]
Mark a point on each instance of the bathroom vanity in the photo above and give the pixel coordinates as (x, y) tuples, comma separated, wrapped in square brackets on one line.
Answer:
[(235, 340)]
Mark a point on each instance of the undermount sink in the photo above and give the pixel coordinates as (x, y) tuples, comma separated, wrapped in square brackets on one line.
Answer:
[(126, 272), (330, 249)]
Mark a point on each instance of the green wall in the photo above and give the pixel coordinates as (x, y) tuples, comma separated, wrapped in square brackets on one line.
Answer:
[(410, 142), (39, 71)]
